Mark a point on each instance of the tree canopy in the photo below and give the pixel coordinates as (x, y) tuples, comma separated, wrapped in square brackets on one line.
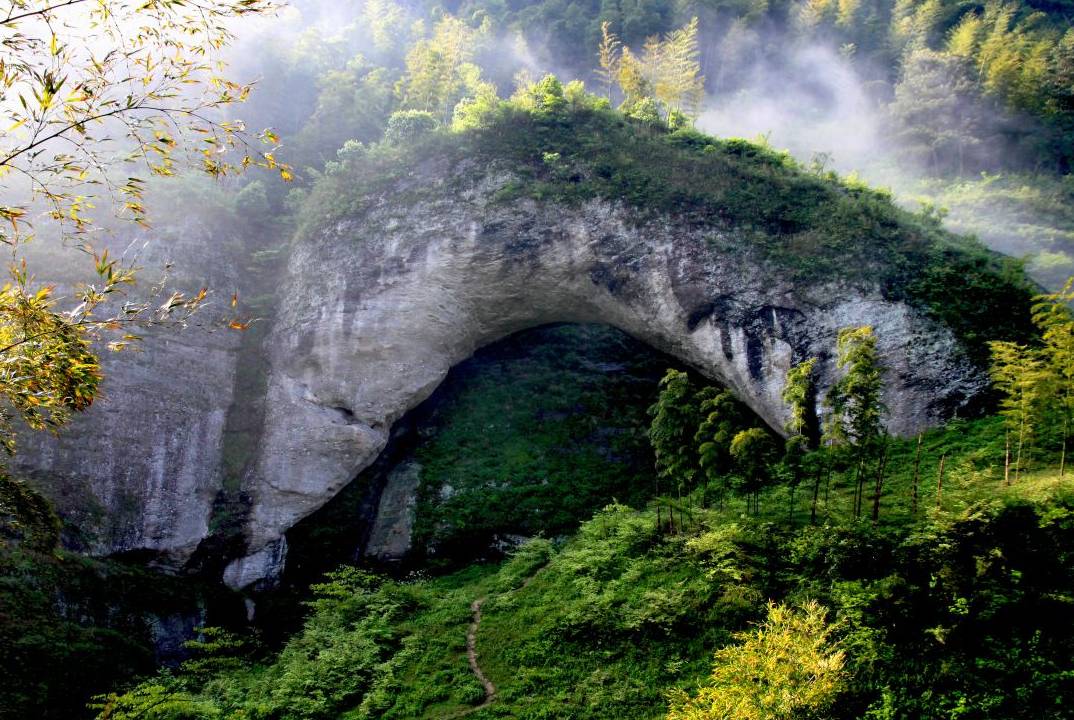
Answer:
[(97, 97)]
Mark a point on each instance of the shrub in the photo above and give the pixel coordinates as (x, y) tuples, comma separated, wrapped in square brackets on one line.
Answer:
[(785, 668), (405, 126)]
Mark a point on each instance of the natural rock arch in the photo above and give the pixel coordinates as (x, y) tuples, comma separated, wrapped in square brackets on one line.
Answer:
[(379, 307)]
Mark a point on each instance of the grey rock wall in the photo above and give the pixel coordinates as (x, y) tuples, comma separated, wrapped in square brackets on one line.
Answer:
[(139, 470), (379, 307), (375, 310)]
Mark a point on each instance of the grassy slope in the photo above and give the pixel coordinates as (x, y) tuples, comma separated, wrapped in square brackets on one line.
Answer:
[(966, 605), (535, 432), (658, 619)]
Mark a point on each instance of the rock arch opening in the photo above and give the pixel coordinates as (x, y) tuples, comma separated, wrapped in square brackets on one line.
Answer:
[(378, 309), (529, 435)]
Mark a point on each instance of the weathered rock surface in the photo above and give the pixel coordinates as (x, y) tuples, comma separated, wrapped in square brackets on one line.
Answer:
[(380, 306), (139, 470), (390, 539)]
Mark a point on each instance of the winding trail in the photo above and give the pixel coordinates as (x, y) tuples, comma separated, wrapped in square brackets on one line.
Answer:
[(471, 656), (471, 652)]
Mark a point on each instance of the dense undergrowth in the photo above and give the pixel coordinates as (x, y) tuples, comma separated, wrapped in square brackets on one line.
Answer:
[(959, 610), (529, 435), (71, 625), (533, 435)]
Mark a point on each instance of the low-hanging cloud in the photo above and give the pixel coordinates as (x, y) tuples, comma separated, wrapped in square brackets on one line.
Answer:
[(809, 101)]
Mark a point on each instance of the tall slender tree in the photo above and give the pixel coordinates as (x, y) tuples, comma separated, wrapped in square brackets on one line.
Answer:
[(608, 55), (799, 393), (675, 416), (854, 401), (722, 417), (440, 70), (666, 74), (1051, 313), (1021, 375), (754, 452)]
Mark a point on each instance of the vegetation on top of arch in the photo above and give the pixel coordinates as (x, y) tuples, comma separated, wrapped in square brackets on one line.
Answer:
[(562, 144)]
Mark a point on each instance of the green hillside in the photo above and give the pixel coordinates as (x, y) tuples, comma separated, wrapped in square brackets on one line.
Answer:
[(598, 531), (957, 610)]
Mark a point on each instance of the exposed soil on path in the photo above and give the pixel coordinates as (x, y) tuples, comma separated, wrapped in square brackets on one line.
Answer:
[(471, 654)]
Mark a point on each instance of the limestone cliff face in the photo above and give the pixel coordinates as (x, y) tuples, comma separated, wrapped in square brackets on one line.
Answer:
[(379, 306), (139, 470)]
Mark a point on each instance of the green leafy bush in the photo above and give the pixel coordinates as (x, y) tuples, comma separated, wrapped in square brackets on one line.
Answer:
[(406, 126)]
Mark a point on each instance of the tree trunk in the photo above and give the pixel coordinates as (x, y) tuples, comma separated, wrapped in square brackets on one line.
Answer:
[(1007, 457), (659, 507), (1063, 452), (816, 494), (917, 477), (939, 482), (827, 487), (860, 478), (1021, 442), (682, 520), (828, 479), (879, 487)]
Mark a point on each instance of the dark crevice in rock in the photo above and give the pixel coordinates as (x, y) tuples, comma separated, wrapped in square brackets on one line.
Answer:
[(699, 314), (345, 414), (226, 539)]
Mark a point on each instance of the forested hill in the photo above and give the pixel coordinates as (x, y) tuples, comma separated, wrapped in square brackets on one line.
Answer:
[(966, 107), (640, 359), (964, 86)]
